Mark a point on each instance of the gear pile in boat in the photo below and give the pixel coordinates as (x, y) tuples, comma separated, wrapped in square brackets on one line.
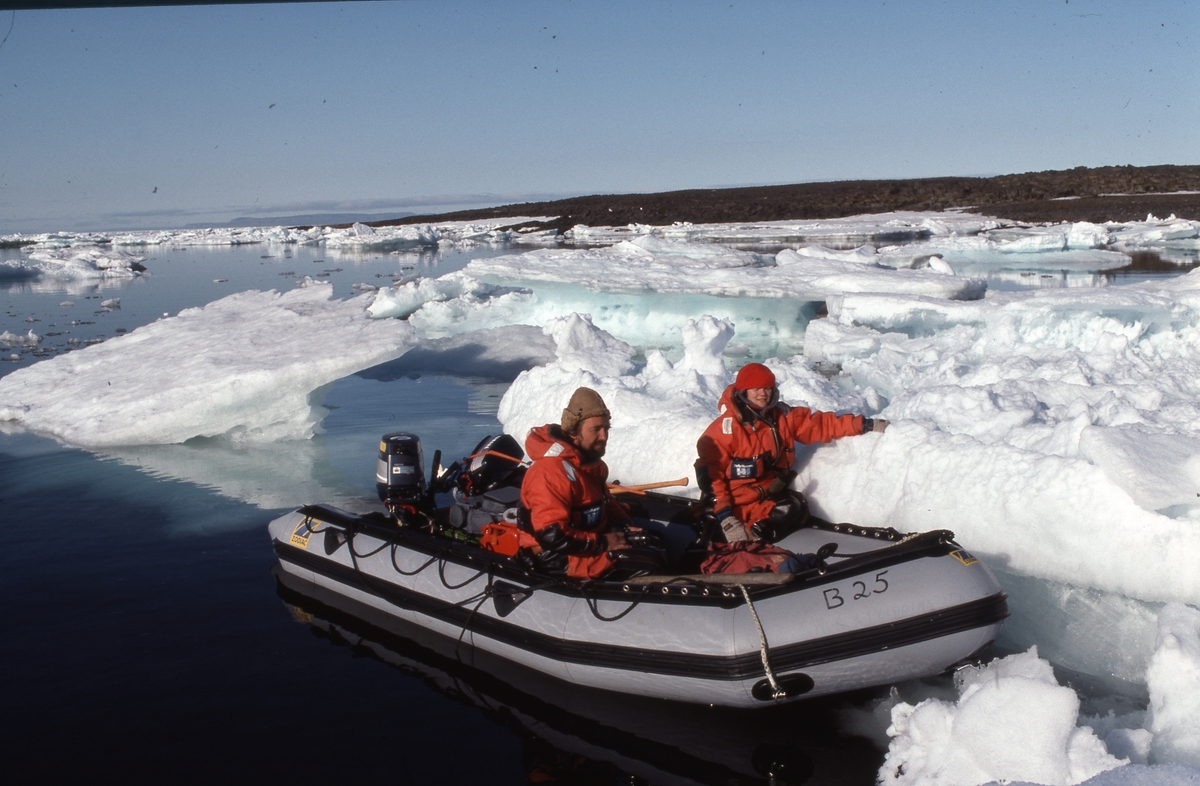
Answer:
[(485, 510)]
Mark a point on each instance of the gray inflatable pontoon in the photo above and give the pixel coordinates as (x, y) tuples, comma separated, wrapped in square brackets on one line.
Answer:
[(881, 608)]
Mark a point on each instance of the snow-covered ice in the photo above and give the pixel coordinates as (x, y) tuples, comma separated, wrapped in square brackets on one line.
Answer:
[(1154, 232), (405, 300), (1174, 682), (1012, 721), (895, 227), (10, 339), (361, 237), (356, 237), (73, 263), (242, 367), (650, 264)]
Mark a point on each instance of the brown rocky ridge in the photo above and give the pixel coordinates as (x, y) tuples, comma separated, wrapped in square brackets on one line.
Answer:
[(1111, 193)]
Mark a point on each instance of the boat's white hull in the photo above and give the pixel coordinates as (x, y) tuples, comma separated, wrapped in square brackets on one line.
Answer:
[(911, 614)]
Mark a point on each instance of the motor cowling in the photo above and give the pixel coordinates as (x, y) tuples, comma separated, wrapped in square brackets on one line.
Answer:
[(495, 461), (400, 472)]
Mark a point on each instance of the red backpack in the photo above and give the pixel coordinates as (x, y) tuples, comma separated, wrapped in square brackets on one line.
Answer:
[(746, 556)]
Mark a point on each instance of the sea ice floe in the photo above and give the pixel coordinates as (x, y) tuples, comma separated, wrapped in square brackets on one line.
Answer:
[(1174, 682), (1058, 427), (1011, 722), (241, 367), (73, 263), (404, 300), (498, 232), (879, 229), (1067, 419), (458, 302), (10, 339), (1105, 635), (648, 264), (219, 236), (982, 256), (1154, 232), (893, 227), (361, 237)]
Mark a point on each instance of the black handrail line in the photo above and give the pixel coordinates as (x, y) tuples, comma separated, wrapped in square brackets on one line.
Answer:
[(927, 544)]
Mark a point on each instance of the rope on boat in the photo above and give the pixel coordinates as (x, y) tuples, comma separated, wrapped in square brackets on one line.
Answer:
[(447, 585), (488, 591), (482, 597), (350, 543), (776, 691), (404, 572), (479, 598), (595, 609)]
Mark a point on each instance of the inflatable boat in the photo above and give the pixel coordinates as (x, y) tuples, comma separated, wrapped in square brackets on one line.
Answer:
[(870, 607)]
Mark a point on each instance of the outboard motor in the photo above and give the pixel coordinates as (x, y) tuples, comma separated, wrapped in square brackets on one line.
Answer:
[(495, 461), (400, 473)]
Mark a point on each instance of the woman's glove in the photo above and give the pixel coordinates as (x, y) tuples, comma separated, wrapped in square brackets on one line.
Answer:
[(734, 529), (874, 424)]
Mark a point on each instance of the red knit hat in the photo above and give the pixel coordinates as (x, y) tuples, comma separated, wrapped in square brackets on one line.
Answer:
[(754, 375)]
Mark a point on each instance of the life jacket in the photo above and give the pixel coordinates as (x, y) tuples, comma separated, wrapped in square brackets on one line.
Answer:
[(569, 507), (744, 452)]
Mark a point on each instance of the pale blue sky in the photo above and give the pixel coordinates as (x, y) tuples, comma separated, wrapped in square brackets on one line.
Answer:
[(430, 106)]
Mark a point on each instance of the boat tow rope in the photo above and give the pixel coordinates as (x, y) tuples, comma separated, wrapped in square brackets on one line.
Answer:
[(776, 691)]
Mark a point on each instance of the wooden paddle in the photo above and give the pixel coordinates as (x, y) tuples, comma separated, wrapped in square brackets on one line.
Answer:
[(643, 487)]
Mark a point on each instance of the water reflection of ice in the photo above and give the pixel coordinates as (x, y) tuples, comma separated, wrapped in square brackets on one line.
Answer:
[(336, 466), (1043, 279), (19, 284), (269, 476)]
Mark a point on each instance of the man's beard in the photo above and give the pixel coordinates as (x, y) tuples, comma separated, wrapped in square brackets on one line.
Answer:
[(593, 454)]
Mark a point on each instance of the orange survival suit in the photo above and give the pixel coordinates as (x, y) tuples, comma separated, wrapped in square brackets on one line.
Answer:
[(743, 452), (569, 505)]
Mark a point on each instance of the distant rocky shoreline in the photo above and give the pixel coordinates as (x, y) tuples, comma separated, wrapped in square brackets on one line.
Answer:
[(1114, 193)]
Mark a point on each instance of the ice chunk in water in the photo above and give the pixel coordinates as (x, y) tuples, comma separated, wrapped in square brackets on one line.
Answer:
[(242, 366)]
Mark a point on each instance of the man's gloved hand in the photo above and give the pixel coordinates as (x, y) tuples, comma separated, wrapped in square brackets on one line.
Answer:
[(733, 528), (614, 541), (636, 536), (762, 530), (874, 424)]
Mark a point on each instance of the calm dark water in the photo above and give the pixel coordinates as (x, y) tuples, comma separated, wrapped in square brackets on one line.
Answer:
[(138, 646)]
